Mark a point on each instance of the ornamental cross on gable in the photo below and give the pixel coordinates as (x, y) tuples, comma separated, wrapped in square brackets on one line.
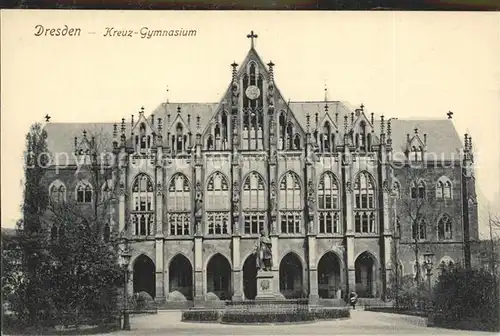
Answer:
[(251, 36)]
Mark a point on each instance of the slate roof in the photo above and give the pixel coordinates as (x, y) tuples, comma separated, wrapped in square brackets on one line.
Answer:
[(442, 137)]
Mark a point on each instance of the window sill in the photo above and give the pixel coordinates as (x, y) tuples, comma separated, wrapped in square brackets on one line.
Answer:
[(291, 235), (366, 234), (218, 236), (336, 234)]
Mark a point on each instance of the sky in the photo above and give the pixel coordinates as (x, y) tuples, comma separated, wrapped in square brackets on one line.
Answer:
[(400, 64)]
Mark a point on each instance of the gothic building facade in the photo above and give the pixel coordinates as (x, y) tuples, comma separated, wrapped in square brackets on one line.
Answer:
[(346, 197)]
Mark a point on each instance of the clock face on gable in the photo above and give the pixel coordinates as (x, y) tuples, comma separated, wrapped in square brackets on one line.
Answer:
[(252, 92)]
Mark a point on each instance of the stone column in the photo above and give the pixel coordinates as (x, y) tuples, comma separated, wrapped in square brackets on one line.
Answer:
[(160, 295), (350, 231), (276, 266), (198, 281), (236, 272), (313, 271)]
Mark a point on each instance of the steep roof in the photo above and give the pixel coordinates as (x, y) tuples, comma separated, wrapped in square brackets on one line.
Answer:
[(442, 138)]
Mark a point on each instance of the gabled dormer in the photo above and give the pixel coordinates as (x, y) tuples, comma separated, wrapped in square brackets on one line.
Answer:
[(217, 135), (362, 130), (179, 134), (327, 133), (290, 134), (143, 134), (415, 146), (84, 148)]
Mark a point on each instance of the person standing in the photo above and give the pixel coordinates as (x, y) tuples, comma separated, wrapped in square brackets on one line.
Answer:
[(353, 298)]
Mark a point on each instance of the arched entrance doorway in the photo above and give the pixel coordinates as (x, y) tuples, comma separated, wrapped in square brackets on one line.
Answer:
[(291, 276), (219, 276), (144, 275), (329, 281), (250, 277), (181, 276), (365, 275)]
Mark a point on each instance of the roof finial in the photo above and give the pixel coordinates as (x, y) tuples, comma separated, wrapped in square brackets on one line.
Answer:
[(271, 70), (123, 125), (167, 94), (115, 130), (132, 122), (160, 126), (85, 134), (308, 124), (142, 110), (252, 36), (179, 109), (382, 124), (449, 114), (234, 65), (416, 129), (47, 117), (362, 107), (317, 119), (372, 119), (198, 126)]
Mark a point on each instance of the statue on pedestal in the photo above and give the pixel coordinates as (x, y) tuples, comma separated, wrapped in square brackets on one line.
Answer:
[(263, 250)]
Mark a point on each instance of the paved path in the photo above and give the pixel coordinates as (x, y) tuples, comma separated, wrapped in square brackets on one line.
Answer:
[(360, 323)]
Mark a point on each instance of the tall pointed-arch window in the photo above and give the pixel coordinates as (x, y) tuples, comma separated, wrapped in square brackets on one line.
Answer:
[(142, 207), (419, 229), (217, 205), (325, 137), (253, 201), (444, 228), (362, 136), (417, 190), (84, 192), (444, 188), (179, 139), (57, 192), (364, 207), (179, 205), (282, 131), (328, 204), (290, 202)]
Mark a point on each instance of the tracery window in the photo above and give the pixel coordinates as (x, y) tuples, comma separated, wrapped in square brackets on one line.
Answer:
[(57, 192), (364, 207), (419, 229), (444, 228), (179, 203), (142, 140), (253, 200), (217, 204), (142, 209), (290, 202), (443, 188), (328, 204), (417, 190), (84, 192)]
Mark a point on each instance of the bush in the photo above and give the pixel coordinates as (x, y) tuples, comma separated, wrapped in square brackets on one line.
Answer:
[(466, 299), (142, 300), (176, 296), (201, 315), (211, 296), (322, 313), (267, 317)]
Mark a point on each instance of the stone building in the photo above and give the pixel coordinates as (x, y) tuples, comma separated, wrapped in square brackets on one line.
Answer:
[(333, 187)]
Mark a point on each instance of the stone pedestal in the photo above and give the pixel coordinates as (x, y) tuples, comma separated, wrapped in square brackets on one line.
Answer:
[(265, 285)]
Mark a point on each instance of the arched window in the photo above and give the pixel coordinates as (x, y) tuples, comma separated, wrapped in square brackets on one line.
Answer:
[(217, 204), (142, 207), (210, 143), (253, 200), (179, 205), (446, 263), (443, 188), (364, 207), (444, 228), (57, 192), (179, 139), (106, 191), (419, 229), (328, 204), (362, 137), (290, 203), (417, 190), (296, 142), (325, 137), (84, 192)]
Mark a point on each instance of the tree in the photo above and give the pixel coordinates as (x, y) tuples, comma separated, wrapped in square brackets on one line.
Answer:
[(32, 303), (414, 204), (84, 249)]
